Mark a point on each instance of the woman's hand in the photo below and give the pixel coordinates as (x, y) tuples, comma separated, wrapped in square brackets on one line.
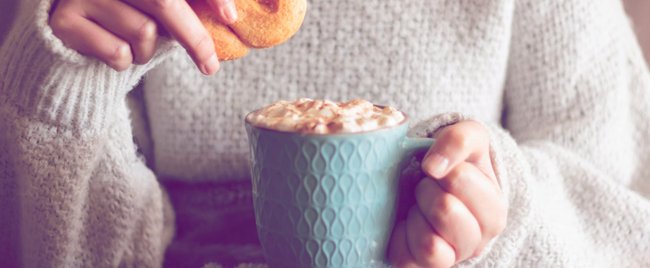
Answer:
[(460, 207), (121, 32)]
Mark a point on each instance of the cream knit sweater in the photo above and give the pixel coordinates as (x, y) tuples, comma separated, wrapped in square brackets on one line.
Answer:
[(562, 85)]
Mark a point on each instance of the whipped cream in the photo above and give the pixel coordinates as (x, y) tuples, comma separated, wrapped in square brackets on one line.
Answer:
[(311, 116)]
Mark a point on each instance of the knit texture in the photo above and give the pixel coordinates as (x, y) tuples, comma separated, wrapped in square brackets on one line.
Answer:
[(73, 192), (561, 85)]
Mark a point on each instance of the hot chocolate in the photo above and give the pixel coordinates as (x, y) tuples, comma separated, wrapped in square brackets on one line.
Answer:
[(325, 117)]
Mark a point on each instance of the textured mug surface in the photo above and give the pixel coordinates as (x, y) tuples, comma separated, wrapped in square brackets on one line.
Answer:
[(327, 200)]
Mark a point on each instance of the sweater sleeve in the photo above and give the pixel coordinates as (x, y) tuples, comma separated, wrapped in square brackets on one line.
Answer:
[(73, 192), (572, 158)]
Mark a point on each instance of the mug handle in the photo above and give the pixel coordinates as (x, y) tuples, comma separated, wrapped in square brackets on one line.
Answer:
[(412, 146)]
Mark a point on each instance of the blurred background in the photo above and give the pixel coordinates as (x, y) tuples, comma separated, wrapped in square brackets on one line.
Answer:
[(639, 11)]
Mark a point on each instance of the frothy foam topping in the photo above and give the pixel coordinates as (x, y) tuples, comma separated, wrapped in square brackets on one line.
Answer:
[(325, 117)]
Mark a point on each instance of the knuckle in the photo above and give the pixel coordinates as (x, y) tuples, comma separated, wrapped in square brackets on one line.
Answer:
[(446, 207), (456, 177), (458, 138), (431, 253), (427, 248), (61, 22), (121, 59), (147, 31)]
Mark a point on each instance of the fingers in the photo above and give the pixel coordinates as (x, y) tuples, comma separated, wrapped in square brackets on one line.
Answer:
[(181, 22), (481, 197), (464, 204), (398, 252), (226, 10), (90, 39), (425, 245), (131, 25), (449, 217), (463, 141), (104, 29)]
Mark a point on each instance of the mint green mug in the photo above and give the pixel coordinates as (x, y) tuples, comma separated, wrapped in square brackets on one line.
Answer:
[(327, 200)]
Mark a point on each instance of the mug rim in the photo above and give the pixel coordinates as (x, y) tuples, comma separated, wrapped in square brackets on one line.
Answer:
[(403, 122)]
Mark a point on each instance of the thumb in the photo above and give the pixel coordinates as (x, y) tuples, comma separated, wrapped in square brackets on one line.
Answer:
[(457, 143)]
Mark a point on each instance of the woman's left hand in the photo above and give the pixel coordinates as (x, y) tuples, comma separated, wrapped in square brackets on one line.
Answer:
[(460, 206)]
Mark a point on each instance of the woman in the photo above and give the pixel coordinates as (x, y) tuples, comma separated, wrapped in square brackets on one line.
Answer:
[(559, 86)]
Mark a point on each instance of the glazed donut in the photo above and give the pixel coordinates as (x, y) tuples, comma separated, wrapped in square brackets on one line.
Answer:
[(260, 24)]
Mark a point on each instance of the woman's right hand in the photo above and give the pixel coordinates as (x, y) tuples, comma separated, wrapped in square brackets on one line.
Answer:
[(122, 32)]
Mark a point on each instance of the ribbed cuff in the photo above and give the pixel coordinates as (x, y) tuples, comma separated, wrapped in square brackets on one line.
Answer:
[(47, 81)]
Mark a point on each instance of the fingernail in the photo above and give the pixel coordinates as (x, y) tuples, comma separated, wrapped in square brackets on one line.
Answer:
[(438, 164), (211, 65), (230, 13)]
